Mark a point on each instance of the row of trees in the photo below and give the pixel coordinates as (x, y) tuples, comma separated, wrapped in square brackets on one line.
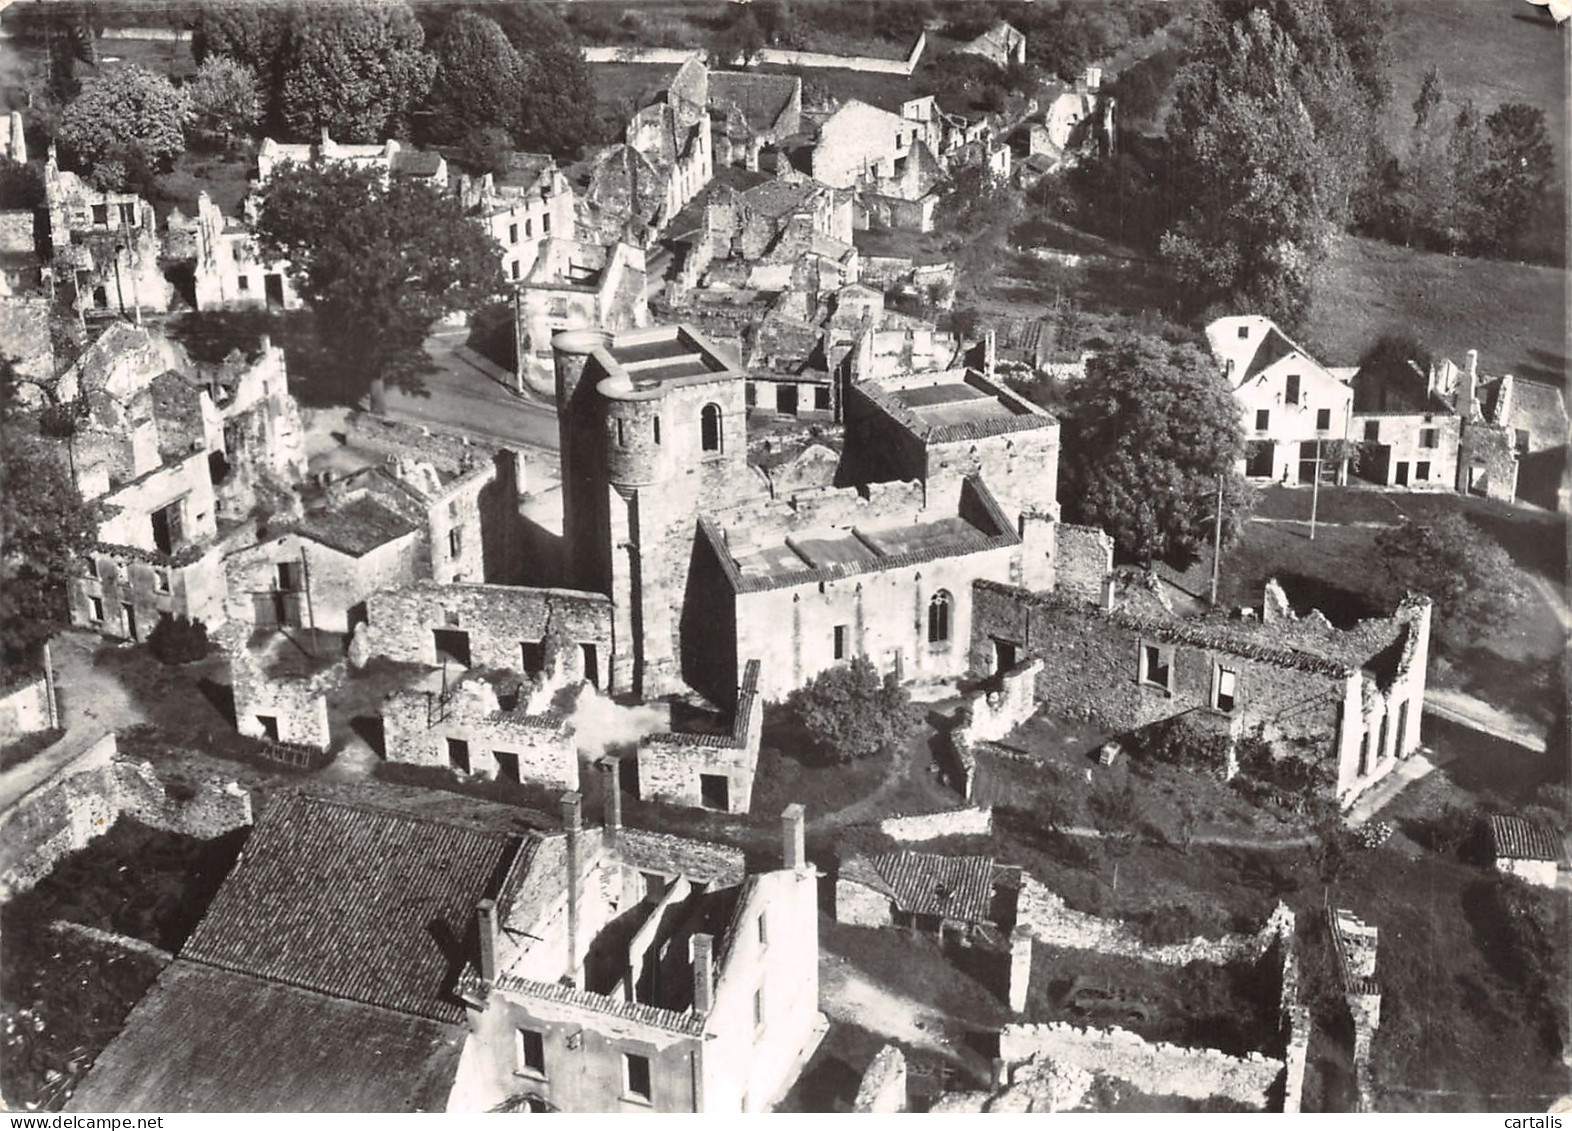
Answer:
[(497, 77), (1466, 184)]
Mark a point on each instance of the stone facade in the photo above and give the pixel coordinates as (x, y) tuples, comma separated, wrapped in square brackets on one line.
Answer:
[(228, 269), (28, 707), (465, 728), (1415, 450), (574, 285), (287, 709), (491, 627), (106, 246), (711, 771), (1298, 684)]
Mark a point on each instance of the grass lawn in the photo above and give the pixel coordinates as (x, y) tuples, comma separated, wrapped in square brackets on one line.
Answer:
[(222, 176), (1490, 53), (788, 773), (1514, 315)]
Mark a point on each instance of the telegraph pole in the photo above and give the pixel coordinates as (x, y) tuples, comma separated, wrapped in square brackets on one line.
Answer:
[(1315, 489), (1217, 540)]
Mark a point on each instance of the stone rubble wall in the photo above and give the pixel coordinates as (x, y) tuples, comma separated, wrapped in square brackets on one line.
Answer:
[(883, 1088), (969, 821), (986, 716), (1155, 1068), (85, 798)]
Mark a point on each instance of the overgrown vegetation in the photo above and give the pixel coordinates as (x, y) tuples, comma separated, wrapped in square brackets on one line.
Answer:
[(178, 640), (850, 712)]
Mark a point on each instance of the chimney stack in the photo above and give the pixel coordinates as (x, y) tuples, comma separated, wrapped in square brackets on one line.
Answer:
[(1106, 597), (1469, 393), (572, 811), (486, 921), (703, 973), (611, 796), (794, 846)]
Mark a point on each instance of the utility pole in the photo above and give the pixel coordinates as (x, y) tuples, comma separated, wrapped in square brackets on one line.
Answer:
[(1315, 489), (1217, 540)]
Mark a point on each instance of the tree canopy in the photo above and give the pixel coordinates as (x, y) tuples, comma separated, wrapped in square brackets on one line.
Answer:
[(478, 79), (556, 107), (44, 527), (225, 100), (1466, 573), (381, 262), (1144, 437), (849, 712), (129, 115), (354, 67)]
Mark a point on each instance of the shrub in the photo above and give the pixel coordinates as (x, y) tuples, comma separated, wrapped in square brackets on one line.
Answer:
[(178, 640), (849, 712)]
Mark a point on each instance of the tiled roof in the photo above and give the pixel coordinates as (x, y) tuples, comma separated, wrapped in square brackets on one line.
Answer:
[(211, 1040), (353, 902), (356, 527), (1516, 838), (923, 883)]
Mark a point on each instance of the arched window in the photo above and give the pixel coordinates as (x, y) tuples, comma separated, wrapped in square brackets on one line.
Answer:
[(939, 618), (710, 428)]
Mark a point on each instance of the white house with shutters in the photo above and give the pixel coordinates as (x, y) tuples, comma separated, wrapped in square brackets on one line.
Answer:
[(1290, 405)]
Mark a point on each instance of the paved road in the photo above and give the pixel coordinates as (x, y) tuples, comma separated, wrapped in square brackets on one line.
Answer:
[(469, 394)]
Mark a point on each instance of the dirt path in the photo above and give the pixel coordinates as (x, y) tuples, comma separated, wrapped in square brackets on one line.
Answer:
[(91, 702)]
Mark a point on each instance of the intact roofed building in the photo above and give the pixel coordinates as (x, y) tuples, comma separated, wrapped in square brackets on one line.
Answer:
[(359, 959), (1290, 406)]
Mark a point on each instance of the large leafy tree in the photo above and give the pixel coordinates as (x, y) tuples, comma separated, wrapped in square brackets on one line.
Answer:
[(354, 67), (849, 712), (1467, 574), (225, 100), (478, 80), (1520, 165), (556, 107), (1145, 438), (129, 115), (44, 527), (380, 262)]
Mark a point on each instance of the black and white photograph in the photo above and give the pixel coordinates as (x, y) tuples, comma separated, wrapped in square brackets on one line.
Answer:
[(784, 556)]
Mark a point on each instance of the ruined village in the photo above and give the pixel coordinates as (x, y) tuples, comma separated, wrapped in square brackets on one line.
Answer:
[(788, 556)]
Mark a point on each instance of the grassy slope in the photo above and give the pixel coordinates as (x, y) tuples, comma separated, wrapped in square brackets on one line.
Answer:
[(1514, 315), (1488, 51)]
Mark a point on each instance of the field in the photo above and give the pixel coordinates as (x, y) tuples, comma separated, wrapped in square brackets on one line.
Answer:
[(1514, 315), (1488, 51)]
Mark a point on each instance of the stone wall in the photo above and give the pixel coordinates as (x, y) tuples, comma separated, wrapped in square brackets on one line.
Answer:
[(927, 826), (883, 1087), (1154, 1068), (496, 621), (1084, 557), (85, 798), (420, 727), (861, 905), (672, 767), (985, 716), (26, 708), (1093, 668)]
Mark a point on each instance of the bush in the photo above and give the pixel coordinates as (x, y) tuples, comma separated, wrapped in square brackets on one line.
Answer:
[(178, 640), (1177, 923), (1182, 742), (849, 712)]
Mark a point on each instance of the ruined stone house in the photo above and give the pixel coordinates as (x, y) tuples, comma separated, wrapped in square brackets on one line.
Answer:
[(1346, 701), (105, 245), (525, 204), (178, 455), (574, 285), (750, 113), (391, 158), (582, 969), (944, 895), (229, 271), (1002, 45), (708, 770)]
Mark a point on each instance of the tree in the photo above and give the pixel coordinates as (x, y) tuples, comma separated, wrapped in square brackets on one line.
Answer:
[(21, 186), (556, 108), (1426, 178), (1470, 578), (251, 32), (225, 100), (353, 67), (739, 41), (477, 82), (1520, 165), (850, 713), (1466, 157), (45, 527), (380, 262), (1145, 437), (129, 114)]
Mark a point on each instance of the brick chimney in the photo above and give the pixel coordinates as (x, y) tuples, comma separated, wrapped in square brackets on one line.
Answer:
[(1468, 395), (611, 795), (486, 922), (703, 973), (793, 843), (573, 823)]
